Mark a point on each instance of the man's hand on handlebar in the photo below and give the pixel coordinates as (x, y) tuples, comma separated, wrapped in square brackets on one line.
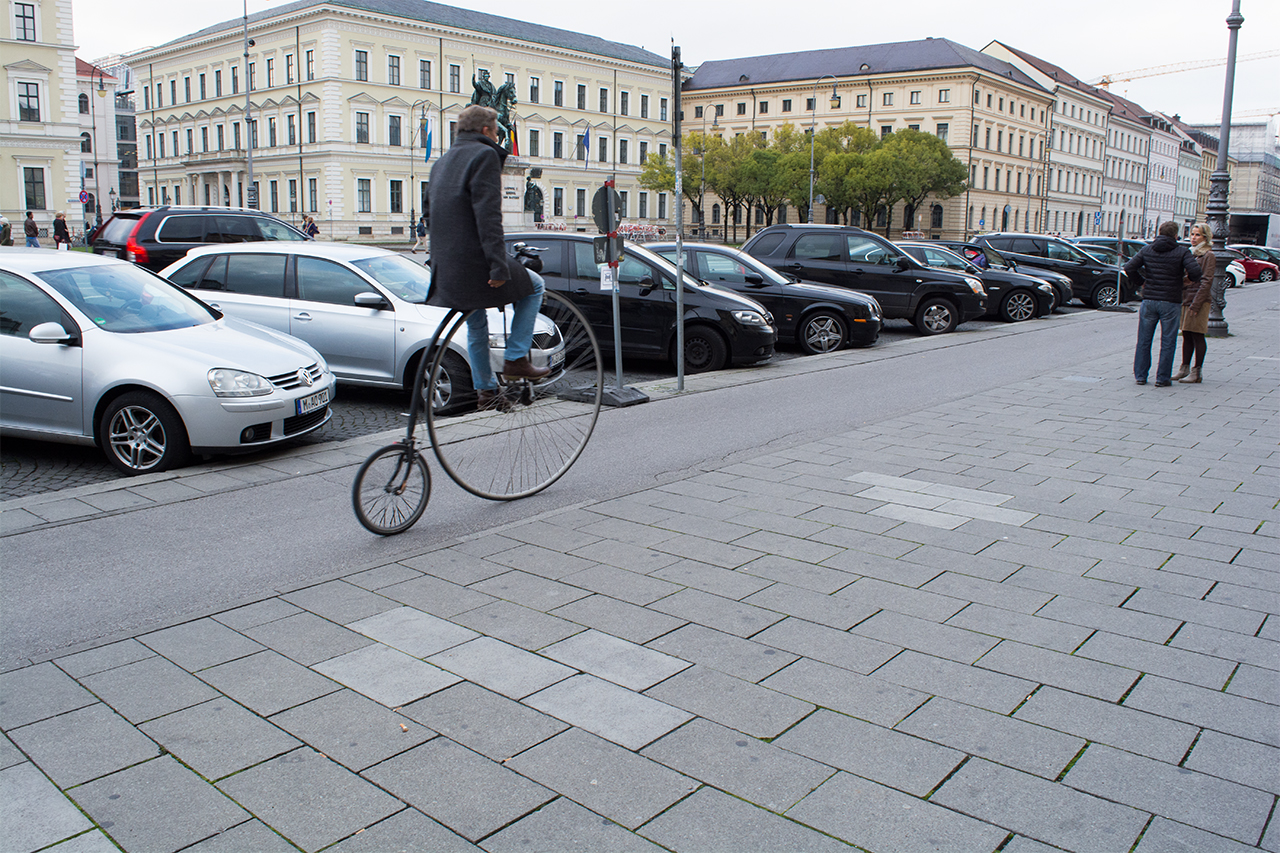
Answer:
[(497, 283)]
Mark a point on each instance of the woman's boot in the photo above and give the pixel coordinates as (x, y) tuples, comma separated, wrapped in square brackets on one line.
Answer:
[(1193, 377), (1182, 372)]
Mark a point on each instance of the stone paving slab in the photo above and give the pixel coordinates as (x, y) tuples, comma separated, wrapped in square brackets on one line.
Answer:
[(742, 658)]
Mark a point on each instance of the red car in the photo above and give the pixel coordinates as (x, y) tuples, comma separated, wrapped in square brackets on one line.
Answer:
[(1258, 264)]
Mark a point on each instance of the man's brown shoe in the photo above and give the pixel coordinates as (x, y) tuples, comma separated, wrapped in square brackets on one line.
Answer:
[(524, 369), (492, 399)]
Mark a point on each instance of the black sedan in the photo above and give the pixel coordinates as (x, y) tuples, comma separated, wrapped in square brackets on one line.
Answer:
[(1010, 296), (816, 317), (985, 257)]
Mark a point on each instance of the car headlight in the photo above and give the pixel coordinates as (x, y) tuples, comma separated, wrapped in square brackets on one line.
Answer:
[(875, 309), (975, 286), (750, 318), (1045, 288), (226, 382)]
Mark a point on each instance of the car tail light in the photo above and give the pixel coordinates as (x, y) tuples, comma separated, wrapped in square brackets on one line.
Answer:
[(132, 251)]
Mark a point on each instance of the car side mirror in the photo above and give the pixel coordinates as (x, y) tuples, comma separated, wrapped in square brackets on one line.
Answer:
[(646, 285), (971, 269), (51, 333), (902, 263), (371, 300), (754, 279)]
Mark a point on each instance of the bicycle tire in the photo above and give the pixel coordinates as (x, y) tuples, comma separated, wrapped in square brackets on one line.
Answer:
[(518, 450), (391, 489)]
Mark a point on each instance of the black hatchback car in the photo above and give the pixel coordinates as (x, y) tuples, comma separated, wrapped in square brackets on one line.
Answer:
[(816, 317), (936, 301), (1094, 283), (722, 328), (154, 237)]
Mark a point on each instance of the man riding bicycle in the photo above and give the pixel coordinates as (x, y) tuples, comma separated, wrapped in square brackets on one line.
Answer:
[(470, 268)]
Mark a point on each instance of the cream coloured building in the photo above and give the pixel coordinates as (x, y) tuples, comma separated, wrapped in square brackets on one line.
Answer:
[(39, 120), (340, 95), (992, 115)]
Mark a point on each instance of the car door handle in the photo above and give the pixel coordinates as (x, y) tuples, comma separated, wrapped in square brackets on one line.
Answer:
[(856, 270), (215, 306), (302, 315), (581, 291)]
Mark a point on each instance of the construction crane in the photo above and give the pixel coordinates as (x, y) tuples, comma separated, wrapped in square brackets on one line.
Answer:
[(1156, 70)]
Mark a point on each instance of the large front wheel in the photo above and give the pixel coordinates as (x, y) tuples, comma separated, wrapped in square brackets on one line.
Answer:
[(522, 441), (391, 490)]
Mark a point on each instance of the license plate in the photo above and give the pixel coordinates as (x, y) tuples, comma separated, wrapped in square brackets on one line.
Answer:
[(557, 359), (314, 401)]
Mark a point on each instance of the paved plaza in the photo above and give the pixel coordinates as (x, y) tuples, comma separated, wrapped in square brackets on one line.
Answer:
[(1044, 617)]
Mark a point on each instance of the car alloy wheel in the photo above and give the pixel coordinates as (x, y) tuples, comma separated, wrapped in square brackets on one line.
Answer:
[(821, 332), (935, 317), (1267, 275), (1019, 305), (141, 433), (1106, 296)]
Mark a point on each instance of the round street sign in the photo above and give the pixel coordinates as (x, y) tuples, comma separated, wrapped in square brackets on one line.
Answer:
[(605, 197), (84, 197)]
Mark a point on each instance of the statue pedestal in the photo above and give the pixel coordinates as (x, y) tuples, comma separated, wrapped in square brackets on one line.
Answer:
[(514, 216)]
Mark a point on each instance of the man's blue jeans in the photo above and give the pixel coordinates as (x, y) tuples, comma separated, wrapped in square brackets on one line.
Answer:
[(33, 243), (1167, 315), (519, 337)]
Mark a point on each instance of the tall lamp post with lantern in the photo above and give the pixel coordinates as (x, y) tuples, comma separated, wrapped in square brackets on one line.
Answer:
[(813, 129), (1217, 214), (97, 180), (421, 129), (702, 192)]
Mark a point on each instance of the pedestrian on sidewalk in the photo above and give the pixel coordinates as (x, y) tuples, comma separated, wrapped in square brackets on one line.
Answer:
[(61, 236), (31, 230), (420, 233), (6, 231), (309, 227), (470, 267), (1160, 268), (1195, 305)]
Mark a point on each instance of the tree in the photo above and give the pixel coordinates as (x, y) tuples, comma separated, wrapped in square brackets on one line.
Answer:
[(659, 173), (926, 167)]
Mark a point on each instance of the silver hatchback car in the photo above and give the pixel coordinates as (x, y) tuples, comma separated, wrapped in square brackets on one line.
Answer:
[(95, 350), (362, 307)]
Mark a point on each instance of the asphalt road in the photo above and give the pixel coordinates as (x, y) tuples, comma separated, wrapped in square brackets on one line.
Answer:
[(119, 575)]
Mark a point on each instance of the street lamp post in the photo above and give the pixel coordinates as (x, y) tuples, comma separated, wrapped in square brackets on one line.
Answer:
[(813, 129), (1219, 182), (413, 188), (97, 180), (702, 192), (251, 194)]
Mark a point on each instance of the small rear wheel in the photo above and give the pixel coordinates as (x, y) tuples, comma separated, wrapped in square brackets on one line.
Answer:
[(1267, 275), (936, 316), (391, 490), (821, 331)]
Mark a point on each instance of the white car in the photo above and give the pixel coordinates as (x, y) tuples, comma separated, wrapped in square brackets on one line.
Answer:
[(95, 350), (1236, 270), (362, 307)]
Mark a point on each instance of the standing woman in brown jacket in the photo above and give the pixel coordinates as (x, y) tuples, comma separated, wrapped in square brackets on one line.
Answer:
[(1195, 305)]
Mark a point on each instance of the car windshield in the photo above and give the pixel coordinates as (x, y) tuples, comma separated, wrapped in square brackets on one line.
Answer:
[(994, 258), (662, 263), (128, 299), (406, 279), (714, 259)]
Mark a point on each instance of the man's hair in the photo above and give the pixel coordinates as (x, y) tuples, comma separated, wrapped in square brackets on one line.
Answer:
[(1169, 229), (476, 118)]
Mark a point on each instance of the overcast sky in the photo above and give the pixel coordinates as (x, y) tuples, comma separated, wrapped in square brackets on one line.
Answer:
[(1088, 38)]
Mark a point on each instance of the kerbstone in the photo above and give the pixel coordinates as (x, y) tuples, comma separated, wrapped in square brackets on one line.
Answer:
[(628, 664), (309, 799), (613, 712), (351, 729), (481, 720), (386, 675), (339, 601), (1040, 808), (103, 658), (34, 813), (615, 782), (530, 590), (37, 692), (436, 596), (502, 667), (873, 752), (759, 772), (878, 818), (137, 806), (453, 565), (148, 688), (711, 821), (730, 701), (83, 744), (465, 791), (566, 827)]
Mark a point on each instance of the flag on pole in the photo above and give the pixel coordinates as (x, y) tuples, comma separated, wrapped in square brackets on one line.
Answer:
[(427, 122), (515, 145)]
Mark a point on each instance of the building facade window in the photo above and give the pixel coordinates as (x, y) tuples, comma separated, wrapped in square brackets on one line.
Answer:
[(362, 127), (582, 97), (271, 73), (424, 73), (393, 71), (558, 93), (362, 65), (662, 205), (622, 151), (604, 100), (24, 21), (393, 130), (742, 109), (915, 96), (311, 127), (534, 84), (395, 195), (235, 83), (944, 96), (86, 143), (364, 195), (271, 133), (534, 144), (84, 104), (580, 202), (943, 130), (643, 212), (204, 139), (888, 99), (861, 102), (557, 145), (33, 187), (311, 67), (455, 78), (644, 106), (28, 102), (624, 103), (291, 127), (557, 201), (662, 109), (288, 70), (312, 198), (644, 152), (274, 187)]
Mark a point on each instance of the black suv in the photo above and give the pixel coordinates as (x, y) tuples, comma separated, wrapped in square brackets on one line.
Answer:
[(721, 328), (1092, 282), (935, 300), (154, 237)]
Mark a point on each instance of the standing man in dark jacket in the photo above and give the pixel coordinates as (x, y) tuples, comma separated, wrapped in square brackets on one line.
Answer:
[(470, 267), (1160, 267)]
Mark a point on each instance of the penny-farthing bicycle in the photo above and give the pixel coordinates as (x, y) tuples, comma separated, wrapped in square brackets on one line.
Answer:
[(512, 449)]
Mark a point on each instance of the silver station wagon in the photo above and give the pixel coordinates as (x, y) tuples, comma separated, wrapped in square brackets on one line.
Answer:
[(362, 307), (95, 350)]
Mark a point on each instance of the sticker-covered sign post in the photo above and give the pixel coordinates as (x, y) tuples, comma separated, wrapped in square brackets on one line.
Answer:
[(606, 210)]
